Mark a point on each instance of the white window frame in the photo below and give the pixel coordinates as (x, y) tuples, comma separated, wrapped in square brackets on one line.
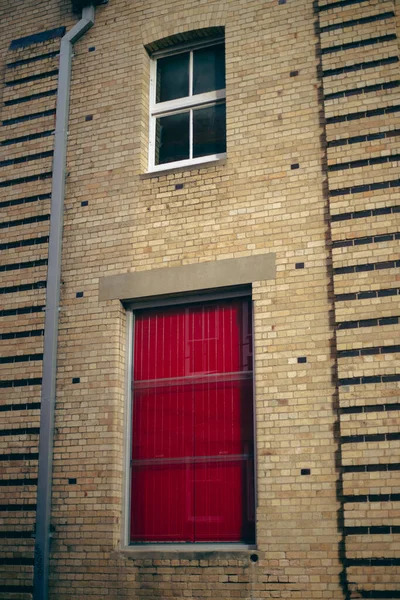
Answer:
[(180, 105)]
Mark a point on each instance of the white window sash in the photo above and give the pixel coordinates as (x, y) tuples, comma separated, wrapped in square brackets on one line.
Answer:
[(185, 104), (180, 104), (191, 111)]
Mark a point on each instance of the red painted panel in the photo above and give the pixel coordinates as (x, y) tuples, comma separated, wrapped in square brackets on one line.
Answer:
[(192, 440), (162, 482), (224, 437)]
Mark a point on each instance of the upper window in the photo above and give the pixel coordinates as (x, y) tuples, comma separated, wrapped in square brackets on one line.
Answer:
[(187, 106), (192, 462)]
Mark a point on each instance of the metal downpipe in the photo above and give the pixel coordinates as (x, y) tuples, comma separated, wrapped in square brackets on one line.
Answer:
[(48, 394)]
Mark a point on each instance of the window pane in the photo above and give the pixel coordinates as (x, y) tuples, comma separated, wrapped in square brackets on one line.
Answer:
[(209, 130), (172, 77), (172, 138), (224, 461), (162, 436), (162, 470), (209, 69), (192, 430)]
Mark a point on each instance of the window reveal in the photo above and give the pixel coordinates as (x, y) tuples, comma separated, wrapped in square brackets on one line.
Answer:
[(192, 432), (188, 117)]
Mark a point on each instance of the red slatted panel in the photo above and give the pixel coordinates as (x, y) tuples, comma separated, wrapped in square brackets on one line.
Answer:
[(192, 447), (161, 480)]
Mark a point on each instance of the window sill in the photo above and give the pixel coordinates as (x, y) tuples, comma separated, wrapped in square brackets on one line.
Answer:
[(189, 551), (184, 168)]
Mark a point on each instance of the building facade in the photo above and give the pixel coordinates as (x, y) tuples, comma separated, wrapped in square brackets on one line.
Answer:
[(227, 377)]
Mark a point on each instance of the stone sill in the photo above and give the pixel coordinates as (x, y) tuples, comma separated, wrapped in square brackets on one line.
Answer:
[(189, 551)]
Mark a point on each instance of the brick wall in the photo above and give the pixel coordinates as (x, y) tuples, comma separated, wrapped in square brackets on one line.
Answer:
[(292, 184), (28, 87), (361, 91)]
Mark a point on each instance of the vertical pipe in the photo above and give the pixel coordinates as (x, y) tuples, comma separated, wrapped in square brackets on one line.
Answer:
[(48, 396)]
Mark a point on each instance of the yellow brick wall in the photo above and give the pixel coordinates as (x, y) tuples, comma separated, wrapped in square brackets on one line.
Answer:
[(253, 202), (361, 60)]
